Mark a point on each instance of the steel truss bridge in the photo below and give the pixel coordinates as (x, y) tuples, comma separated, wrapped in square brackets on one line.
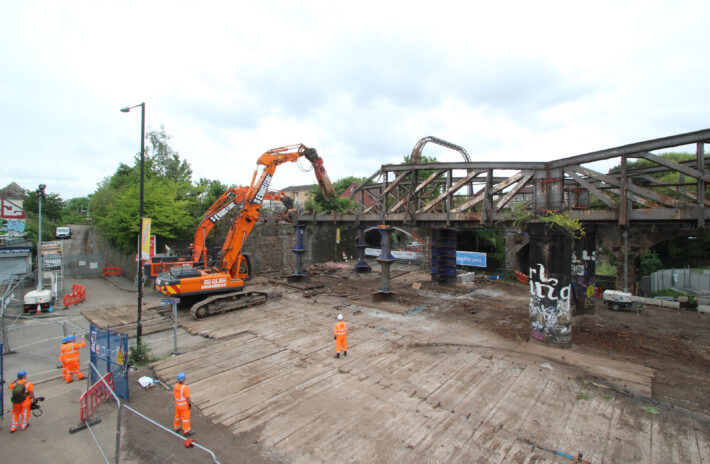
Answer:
[(470, 194)]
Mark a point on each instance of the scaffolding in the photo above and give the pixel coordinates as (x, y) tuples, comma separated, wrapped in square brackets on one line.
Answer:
[(52, 261)]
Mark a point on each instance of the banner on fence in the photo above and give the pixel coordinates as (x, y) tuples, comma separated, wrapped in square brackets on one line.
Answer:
[(109, 354)]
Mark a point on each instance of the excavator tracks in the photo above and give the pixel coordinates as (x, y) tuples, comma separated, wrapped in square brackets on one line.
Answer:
[(227, 302)]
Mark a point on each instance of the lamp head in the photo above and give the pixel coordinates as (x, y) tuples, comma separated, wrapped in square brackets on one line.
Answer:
[(42, 187), (125, 110)]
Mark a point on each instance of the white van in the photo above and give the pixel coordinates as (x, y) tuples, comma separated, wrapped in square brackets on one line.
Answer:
[(63, 232)]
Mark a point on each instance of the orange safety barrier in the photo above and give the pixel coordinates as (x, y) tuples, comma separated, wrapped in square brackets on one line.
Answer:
[(77, 295), (111, 271), (524, 278), (95, 396)]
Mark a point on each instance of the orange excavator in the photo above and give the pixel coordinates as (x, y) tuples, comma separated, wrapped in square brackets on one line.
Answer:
[(231, 199), (219, 288)]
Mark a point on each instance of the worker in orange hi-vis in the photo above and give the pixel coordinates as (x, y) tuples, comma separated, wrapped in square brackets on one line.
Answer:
[(340, 334), (23, 395), (69, 357), (182, 406)]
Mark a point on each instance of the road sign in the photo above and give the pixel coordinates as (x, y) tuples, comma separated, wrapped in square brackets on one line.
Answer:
[(170, 301)]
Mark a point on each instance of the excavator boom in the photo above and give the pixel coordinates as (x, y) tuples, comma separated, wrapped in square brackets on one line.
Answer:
[(233, 269)]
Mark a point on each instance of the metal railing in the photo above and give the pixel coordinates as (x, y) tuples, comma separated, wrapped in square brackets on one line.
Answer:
[(122, 407)]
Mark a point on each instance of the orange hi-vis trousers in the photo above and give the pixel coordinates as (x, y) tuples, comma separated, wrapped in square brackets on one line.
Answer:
[(71, 368), (182, 409), (20, 415), (182, 418)]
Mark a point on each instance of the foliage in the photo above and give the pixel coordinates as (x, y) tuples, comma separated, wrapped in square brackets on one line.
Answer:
[(170, 199), (319, 204), (570, 225), (140, 355), (165, 162), (650, 262), (669, 293), (51, 205), (605, 269), (518, 215)]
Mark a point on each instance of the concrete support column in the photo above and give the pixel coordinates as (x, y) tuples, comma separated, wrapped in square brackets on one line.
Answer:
[(584, 257), (550, 285)]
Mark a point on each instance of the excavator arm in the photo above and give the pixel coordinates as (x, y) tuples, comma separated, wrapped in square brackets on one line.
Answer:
[(243, 224), (231, 198)]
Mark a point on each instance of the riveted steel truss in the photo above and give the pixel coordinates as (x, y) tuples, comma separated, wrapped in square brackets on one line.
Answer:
[(484, 192)]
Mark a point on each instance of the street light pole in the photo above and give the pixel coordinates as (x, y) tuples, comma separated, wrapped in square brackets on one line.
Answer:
[(40, 194), (139, 324)]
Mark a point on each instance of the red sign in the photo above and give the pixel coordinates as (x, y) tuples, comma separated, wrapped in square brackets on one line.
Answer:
[(152, 246), (10, 210)]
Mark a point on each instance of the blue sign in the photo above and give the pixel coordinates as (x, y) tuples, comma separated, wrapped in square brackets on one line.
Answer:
[(170, 301), (470, 258)]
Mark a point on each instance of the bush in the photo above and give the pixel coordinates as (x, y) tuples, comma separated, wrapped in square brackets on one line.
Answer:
[(140, 355)]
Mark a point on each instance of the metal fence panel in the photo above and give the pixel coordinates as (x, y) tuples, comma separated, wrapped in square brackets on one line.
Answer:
[(2, 382), (109, 353), (85, 265), (693, 280)]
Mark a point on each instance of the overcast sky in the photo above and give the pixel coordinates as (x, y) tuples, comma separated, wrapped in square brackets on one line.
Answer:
[(362, 83)]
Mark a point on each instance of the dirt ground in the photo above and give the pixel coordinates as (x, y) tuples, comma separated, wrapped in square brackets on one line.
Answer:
[(673, 342)]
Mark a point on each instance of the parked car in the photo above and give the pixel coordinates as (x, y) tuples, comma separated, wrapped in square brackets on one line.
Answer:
[(63, 232)]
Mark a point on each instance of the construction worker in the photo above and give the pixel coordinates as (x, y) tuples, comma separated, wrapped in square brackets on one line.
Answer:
[(182, 406), (22, 397), (69, 357), (340, 334)]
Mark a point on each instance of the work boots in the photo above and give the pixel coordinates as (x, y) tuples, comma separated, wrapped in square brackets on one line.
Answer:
[(337, 355), (345, 353)]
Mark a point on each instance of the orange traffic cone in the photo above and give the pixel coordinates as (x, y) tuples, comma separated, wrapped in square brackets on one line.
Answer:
[(39, 309)]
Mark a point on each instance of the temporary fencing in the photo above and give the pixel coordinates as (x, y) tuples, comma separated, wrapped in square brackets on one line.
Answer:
[(2, 383), (109, 351), (38, 337), (104, 385), (95, 396), (77, 295), (111, 271)]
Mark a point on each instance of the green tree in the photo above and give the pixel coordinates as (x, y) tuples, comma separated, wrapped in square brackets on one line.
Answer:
[(170, 199), (318, 203), (51, 205), (649, 262), (165, 161)]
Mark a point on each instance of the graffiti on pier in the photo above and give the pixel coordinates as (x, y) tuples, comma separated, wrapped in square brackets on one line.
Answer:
[(583, 281), (550, 308)]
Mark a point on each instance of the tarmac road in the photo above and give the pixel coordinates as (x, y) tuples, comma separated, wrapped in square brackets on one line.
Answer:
[(35, 341)]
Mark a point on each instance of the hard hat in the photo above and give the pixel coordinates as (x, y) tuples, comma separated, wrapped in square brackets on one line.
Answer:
[(71, 338), (181, 376), (65, 340), (340, 317), (21, 374)]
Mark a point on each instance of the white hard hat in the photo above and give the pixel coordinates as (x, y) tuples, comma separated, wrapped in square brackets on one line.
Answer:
[(340, 317)]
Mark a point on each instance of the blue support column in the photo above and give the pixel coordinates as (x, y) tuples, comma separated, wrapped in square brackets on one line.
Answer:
[(361, 266), (385, 293), (298, 250)]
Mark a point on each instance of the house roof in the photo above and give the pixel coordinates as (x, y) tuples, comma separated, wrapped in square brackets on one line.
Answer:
[(13, 190), (299, 188)]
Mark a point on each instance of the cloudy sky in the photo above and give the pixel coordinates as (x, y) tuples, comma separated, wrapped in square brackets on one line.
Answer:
[(513, 80)]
